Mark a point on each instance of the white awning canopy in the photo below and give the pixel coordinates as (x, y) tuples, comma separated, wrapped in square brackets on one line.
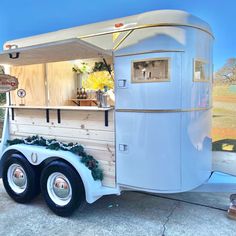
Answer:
[(65, 50)]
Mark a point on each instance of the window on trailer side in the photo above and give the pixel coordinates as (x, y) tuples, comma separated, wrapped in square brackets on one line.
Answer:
[(151, 70), (201, 71)]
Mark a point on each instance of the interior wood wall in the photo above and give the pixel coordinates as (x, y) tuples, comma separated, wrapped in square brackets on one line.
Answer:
[(61, 83), (32, 80), (52, 84)]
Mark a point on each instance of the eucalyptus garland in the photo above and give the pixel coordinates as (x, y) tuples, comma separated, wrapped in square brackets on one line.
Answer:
[(89, 161)]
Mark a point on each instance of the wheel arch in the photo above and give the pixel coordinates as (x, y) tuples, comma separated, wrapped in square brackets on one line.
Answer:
[(45, 156)]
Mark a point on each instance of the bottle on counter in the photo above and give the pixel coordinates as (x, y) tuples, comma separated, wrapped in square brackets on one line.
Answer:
[(84, 94), (77, 93), (99, 97), (80, 94)]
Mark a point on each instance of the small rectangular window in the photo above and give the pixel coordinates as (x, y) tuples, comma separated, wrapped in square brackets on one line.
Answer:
[(151, 70), (201, 71)]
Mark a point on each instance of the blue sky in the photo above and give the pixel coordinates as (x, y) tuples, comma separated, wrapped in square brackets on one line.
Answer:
[(26, 17)]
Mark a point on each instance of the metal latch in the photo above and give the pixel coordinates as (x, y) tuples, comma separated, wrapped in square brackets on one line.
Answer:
[(121, 83), (123, 147)]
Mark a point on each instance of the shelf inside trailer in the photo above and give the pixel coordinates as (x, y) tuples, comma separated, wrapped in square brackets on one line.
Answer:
[(82, 108), (78, 101)]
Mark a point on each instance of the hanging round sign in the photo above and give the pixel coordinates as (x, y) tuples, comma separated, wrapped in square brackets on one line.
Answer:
[(21, 93), (8, 83)]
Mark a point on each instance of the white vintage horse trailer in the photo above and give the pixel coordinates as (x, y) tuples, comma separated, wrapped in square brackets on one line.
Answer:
[(155, 139)]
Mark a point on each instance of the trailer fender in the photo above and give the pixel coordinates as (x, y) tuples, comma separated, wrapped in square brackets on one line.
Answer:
[(36, 155)]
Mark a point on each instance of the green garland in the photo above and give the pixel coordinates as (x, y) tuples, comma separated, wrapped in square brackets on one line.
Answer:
[(52, 144)]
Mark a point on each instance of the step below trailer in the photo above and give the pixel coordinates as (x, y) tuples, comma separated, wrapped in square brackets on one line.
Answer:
[(156, 138)]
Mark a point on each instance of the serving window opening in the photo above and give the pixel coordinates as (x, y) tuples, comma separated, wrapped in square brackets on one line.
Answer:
[(151, 70), (67, 83)]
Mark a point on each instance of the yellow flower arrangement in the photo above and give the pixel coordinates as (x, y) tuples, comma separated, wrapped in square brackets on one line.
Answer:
[(97, 80)]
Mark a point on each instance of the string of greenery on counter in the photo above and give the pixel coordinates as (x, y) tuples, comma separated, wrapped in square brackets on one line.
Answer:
[(89, 161)]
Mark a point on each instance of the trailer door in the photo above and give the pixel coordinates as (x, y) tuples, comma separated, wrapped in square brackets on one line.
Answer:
[(148, 100)]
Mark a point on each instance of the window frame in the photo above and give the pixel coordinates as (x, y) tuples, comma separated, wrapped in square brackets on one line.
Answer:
[(206, 63), (151, 59)]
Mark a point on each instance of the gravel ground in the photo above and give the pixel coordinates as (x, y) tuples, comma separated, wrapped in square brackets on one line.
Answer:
[(131, 213)]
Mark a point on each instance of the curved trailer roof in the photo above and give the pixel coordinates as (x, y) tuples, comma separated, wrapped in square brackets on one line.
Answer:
[(77, 41)]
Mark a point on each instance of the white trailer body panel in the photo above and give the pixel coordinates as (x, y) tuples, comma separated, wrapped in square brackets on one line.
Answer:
[(151, 160), (164, 127)]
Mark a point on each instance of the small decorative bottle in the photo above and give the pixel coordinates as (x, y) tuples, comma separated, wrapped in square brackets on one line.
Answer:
[(80, 93), (84, 95)]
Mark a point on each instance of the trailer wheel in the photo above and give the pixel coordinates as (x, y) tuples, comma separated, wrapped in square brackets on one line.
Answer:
[(62, 188), (20, 179)]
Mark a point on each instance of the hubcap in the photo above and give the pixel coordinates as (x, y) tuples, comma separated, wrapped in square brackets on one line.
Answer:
[(59, 189), (17, 178)]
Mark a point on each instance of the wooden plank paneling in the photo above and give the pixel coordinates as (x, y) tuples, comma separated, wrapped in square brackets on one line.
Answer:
[(74, 133), (95, 147), (86, 128), (61, 83), (32, 80)]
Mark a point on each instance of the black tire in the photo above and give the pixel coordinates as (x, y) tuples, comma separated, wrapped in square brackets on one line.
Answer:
[(32, 188), (77, 187)]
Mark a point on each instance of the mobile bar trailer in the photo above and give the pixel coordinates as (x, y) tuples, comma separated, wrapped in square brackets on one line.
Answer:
[(156, 138)]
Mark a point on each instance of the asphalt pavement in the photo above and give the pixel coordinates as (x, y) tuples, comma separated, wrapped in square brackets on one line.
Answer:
[(132, 213)]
